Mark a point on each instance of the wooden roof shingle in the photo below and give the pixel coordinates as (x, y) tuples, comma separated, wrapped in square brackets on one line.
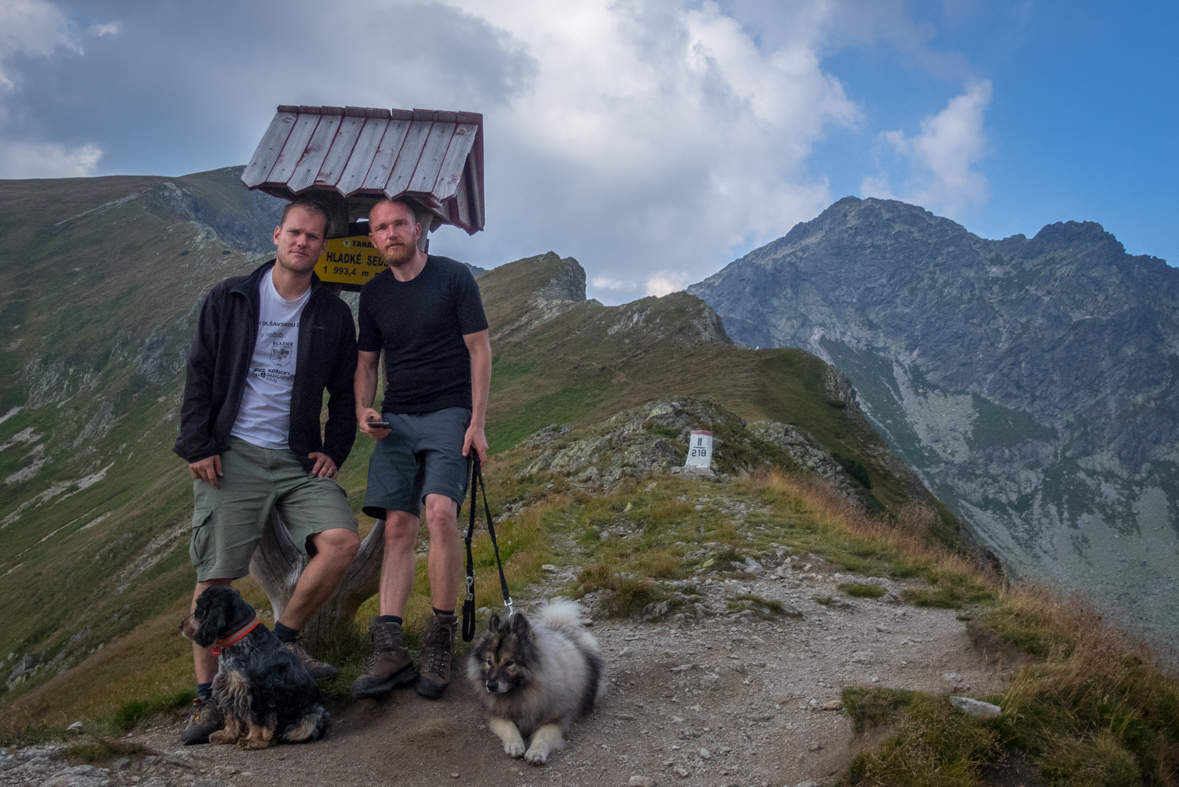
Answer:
[(433, 158)]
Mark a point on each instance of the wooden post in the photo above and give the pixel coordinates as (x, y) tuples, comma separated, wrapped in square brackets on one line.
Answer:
[(277, 565)]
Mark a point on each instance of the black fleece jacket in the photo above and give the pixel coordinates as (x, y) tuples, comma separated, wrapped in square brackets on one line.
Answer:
[(219, 362)]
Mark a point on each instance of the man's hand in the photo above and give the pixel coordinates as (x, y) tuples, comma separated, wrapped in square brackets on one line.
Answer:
[(475, 437), (324, 466), (207, 469), (366, 414)]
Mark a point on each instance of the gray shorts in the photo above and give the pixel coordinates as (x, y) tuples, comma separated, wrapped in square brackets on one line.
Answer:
[(422, 455), (227, 522)]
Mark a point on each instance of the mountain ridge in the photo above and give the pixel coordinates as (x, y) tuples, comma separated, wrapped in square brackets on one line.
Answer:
[(1033, 383)]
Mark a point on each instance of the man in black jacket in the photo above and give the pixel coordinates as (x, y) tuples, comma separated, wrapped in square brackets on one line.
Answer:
[(267, 346)]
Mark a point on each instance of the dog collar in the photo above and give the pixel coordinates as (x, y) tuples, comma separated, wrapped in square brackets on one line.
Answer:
[(237, 636)]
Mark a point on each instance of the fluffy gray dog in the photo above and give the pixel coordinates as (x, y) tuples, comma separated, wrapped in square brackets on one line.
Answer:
[(536, 679)]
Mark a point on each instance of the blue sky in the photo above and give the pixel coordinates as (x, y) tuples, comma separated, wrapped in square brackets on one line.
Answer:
[(653, 140)]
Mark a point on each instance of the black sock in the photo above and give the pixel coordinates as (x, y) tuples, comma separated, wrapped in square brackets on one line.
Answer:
[(442, 611), (205, 691), (389, 619), (285, 633)]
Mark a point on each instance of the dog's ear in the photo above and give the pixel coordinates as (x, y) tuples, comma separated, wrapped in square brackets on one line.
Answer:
[(520, 626), (212, 617), (494, 623)]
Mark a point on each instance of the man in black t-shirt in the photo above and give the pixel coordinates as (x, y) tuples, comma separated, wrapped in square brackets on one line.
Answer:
[(425, 313)]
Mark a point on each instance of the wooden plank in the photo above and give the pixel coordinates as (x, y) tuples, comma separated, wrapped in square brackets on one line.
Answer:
[(305, 172), (337, 157), (475, 184), (462, 213), (294, 148), (363, 155), (269, 148), (426, 173), (386, 156), (407, 159), (450, 173)]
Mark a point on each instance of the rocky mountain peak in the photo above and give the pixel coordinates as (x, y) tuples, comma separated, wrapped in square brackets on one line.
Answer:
[(1033, 382), (567, 283)]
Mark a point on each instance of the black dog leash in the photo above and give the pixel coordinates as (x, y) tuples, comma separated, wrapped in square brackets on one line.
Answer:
[(469, 603)]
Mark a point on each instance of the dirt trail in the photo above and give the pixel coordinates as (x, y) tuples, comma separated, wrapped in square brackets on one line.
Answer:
[(727, 699)]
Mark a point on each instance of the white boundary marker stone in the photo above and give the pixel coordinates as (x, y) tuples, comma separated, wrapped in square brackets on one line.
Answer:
[(700, 449)]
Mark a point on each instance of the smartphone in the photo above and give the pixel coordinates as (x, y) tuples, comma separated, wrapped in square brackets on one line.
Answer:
[(379, 425)]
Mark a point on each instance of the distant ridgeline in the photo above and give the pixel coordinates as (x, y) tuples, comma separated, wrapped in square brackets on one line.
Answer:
[(1034, 383), (101, 282)]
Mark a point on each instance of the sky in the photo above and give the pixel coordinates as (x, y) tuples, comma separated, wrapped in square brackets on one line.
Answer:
[(653, 140)]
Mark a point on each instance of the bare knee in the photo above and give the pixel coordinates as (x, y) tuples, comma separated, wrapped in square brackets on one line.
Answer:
[(441, 515), (401, 531), (338, 545)]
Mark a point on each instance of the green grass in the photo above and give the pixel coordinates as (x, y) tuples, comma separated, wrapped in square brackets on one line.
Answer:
[(933, 745), (763, 607), (876, 707), (102, 748), (861, 590), (128, 715)]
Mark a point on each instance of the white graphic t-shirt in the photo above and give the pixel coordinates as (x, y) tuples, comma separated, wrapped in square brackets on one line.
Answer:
[(264, 418)]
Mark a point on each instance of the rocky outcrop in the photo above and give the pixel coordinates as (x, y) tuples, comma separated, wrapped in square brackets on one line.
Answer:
[(1033, 383), (654, 438)]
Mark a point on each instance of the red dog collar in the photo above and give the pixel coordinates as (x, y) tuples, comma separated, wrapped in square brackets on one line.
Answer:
[(222, 644)]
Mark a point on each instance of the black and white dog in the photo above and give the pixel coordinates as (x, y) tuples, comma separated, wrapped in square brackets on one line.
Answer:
[(536, 678), (261, 688)]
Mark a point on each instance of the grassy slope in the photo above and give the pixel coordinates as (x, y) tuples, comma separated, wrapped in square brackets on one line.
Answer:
[(98, 298)]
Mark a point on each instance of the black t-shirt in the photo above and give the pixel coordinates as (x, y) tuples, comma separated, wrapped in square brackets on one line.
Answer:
[(420, 325)]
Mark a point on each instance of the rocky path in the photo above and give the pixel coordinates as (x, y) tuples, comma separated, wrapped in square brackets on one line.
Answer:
[(735, 698)]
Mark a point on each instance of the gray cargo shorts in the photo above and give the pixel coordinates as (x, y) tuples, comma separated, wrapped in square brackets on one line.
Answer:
[(227, 522)]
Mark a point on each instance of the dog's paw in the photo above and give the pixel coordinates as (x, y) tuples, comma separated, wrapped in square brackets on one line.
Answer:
[(536, 757), (251, 744), (514, 749), (223, 737)]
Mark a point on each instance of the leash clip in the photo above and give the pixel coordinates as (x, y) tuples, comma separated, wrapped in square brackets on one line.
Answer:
[(470, 588), (511, 609)]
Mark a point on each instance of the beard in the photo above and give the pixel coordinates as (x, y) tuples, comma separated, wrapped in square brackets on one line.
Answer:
[(399, 255)]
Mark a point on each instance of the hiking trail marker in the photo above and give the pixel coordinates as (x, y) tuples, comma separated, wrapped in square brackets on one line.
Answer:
[(700, 450)]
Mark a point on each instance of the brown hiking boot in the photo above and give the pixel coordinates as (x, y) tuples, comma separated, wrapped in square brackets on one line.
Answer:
[(318, 669), (389, 663), (203, 720), (437, 650)]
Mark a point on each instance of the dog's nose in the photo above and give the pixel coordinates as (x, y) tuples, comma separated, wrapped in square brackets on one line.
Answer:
[(492, 686)]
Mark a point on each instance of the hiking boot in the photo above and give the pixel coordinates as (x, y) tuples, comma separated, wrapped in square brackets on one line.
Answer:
[(389, 663), (318, 669), (437, 650), (203, 720)]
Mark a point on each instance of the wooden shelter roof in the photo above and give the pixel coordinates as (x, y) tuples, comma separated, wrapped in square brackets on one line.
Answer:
[(433, 158)]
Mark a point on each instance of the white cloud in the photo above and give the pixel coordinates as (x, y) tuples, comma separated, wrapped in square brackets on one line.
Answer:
[(651, 134), (35, 28), (665, 283), (30, 27), (47, 160), (105, 29), (606, 283), (942, 158)]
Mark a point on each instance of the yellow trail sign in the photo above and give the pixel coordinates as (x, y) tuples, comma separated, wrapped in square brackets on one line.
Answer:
[(349, 261)]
